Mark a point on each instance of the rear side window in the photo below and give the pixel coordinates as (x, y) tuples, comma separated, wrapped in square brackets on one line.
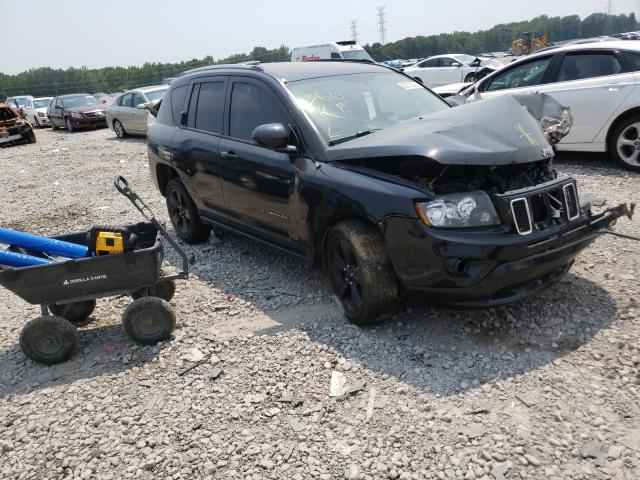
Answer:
[(210, 107), (251, 106), (634, 60), (335, 55), (579, 66), (526, 74), (177, 102)]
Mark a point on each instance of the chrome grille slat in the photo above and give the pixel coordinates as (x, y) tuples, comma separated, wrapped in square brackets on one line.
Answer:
[(521, 215), (571, 200)]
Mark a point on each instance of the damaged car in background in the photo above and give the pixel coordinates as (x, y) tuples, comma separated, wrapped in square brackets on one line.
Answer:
[(13, 129), (362, 170)]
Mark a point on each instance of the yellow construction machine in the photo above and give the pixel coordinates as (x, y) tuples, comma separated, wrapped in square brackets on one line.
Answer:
[(529, 43)]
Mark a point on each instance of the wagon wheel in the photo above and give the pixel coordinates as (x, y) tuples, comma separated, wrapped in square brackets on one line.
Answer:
[(49, 339), (164, 289), (74, 312), (149, 320)]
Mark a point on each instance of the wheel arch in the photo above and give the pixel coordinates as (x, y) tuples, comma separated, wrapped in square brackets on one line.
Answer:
[(623, 117), (164, 173), (323, 220)]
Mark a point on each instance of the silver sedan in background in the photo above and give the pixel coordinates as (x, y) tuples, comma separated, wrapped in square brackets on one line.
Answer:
[(127, 115)]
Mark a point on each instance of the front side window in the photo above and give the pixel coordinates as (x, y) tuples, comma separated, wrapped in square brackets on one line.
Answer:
[(431, 63), (251, 106), (347, 106), (526, 74), (138, 99), (579, 66), (209, 107), (446, 62), (155, 95), (126, 100)]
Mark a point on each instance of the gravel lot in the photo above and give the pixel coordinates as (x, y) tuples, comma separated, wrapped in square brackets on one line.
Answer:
[(545, 389)]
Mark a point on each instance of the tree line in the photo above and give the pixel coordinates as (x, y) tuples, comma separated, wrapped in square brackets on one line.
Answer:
[(49, 81)]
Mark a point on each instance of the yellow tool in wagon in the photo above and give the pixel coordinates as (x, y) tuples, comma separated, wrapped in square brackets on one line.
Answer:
[(108, 243)]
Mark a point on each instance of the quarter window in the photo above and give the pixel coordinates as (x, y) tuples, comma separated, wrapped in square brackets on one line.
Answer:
[(526, 74), (178, 95), (578, 66), (209, 107), (251, 106), (633, 58)]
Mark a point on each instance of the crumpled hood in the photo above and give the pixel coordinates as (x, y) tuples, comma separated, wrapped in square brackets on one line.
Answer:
[(496, 131)]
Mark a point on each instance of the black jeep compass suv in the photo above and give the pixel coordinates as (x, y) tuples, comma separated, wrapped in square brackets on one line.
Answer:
[(360, 169)]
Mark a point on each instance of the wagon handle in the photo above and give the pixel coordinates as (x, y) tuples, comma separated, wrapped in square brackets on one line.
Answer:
[(123, 187)]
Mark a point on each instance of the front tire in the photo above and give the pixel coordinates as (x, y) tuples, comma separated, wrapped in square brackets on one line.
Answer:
[(36, 122), (184, 214), (625, 144), (360, 272), (471, 78), (119, 129), (67, 122), (53, 124), (49, 339)]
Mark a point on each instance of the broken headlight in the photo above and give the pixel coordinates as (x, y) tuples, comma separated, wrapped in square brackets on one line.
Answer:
[(470, 209)]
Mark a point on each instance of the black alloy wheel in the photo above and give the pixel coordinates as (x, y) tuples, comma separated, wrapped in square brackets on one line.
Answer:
[(345, 277), (184, 214)]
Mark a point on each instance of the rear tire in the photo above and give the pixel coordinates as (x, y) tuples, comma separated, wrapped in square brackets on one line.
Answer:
[(74, 312), (164, 289), (624, 144), (149, 320), (184, 214), (360, 272), (119, 129), (49, 340)]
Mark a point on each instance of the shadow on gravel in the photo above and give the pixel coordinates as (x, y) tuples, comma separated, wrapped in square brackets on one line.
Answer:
[(447, 351), (438, 350), (101, 351)]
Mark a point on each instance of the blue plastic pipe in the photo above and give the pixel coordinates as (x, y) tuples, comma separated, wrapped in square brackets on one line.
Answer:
[(13, 259), (42, 244)]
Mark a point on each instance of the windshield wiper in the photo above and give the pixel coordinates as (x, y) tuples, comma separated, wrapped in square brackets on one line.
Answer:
[(359, 134)]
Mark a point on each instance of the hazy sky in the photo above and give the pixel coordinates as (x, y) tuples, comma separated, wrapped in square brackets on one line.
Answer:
[(96, 33)]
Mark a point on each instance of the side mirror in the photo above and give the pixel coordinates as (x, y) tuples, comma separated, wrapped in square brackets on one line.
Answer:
[(456, 64), (142, 105), (272, 135)]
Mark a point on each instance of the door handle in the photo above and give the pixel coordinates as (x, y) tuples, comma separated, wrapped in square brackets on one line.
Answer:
[(229, 155)]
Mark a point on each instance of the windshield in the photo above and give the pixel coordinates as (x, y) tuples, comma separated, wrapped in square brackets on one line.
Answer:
[(356, 55), (41, 102), (80, 101), (21, 101), (156, 94), (346, 106), (464, 59)]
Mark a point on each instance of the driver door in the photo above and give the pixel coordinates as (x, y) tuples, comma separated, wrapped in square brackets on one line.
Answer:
[(449, 71), (258, 183)]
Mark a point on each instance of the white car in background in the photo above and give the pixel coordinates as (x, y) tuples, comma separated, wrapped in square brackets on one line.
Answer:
[(456, 68), (598, 81), (127, 115), (35, 111)]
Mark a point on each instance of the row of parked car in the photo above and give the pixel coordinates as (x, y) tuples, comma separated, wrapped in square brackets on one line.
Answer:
[(127, 114)]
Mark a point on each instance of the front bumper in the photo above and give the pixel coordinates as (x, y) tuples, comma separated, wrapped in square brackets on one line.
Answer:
[(89, 122), (486, 268)]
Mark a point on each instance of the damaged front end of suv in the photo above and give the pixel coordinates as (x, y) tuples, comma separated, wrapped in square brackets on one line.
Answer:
[(495, 221), (13, 129)]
